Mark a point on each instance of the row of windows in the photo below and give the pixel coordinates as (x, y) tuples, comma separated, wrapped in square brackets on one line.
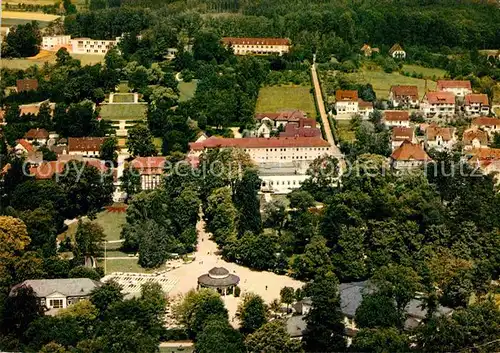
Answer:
[(56, 303), (293, 182), (290, 149)]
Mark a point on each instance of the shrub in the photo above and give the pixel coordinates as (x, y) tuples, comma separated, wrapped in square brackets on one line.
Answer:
[(237, 291)]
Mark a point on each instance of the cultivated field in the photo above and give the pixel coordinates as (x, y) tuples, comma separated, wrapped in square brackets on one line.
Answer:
[(187, 90), (431, 73), (12, 18), (382, 81), (278, 98), (123, 111), (47, 57)]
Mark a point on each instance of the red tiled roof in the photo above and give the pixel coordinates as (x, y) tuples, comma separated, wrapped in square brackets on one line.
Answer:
[(410, 151), (485, 121), (346, 96), (440, 97), (445, 132), (149, 165), (260, 142), (83, 144), (364, 104), (472, 134), (291, 130), (282, 116), (475, 98), (255, 41), (404, 91), (304, 122), (27, 146), (26, 84), (37, 134), (400, 133), (486, 153), (396, 115), (2, 113), (443, 84)]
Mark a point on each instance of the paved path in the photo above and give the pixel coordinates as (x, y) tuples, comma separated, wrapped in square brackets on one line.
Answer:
[(322, 111), (176, 344), (119, 258), (115, 241)]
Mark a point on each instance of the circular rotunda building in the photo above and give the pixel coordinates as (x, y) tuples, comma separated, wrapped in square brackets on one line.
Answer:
[(219, 279)]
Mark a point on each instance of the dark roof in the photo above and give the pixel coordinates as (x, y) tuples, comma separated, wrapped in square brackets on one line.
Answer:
[(27, 84), (70, 287), (218, 271), (296, 325), (230, 280)]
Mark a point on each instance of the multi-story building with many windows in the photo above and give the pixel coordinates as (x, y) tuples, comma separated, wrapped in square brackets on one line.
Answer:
[(258, 46), (282, 161)]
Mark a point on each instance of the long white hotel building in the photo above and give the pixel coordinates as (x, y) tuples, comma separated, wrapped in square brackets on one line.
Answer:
[(282, 161)]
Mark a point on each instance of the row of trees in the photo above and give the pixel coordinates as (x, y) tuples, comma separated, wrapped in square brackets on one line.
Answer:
[(104, 323)]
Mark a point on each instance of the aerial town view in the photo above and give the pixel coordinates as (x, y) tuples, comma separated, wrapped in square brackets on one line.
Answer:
[(249, 176)]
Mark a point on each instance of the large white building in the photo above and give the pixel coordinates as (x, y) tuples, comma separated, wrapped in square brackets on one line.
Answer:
[(54, 43), (282, 161), (92, 46), (257, 46)]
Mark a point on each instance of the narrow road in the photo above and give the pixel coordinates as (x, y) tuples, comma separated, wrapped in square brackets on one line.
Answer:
[(321, 106)]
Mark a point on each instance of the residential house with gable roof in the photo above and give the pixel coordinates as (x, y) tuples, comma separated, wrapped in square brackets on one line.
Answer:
[(368, 51), (397, 52), (409, 155), (393, 118), (438, 104), (39, 136), (477, 104), (439, 138), (459, 88), (401, 134), (404, 96), (475, 138), (490, 125), (58, 293), (85, 146), (346, 102), (365, 108)]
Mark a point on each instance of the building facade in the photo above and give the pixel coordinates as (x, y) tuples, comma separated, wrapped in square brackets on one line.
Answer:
[(397, 52), (476, 104), (404, 96), (409, 156), (490, 125), (92, 46), (54, 43), (151, 170), (438, 104), (257, 46), (400, 118), (439, 138), (89, 147), (58, 293), (346, 102), (457, 87), (282, 161)]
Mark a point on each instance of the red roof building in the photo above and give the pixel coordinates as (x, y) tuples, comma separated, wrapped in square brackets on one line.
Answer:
[(257, 46), (151, 170), (255, 41), (477, 104), (23, 146), (26, 84), (404, 96), (85, 146), (439, 103), (346, 96), (457, 87), (397, 118), (475, 139), (409, 155), (36, 134)]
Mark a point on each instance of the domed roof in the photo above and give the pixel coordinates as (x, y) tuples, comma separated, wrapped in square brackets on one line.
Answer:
[(218, 272)]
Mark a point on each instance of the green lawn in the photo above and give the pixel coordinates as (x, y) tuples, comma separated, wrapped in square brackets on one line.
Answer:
[(382, 81), (426, 71), (123, 87), (290, 97), (187, 90), (344, 130), (111, 222), (125, 265), (123, 111), (123, 98)]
